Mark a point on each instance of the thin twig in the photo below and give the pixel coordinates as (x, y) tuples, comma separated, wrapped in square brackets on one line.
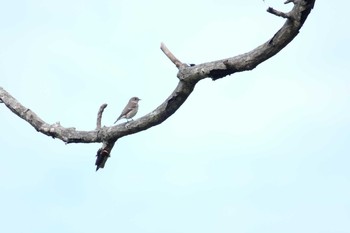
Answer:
[(170, 55), (99, 116), (289, 1), (278, 13)]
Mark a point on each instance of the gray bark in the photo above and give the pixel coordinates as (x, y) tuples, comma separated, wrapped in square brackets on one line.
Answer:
[(188, 75)]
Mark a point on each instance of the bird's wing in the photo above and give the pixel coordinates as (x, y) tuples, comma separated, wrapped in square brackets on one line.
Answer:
[(125, 111), (128, 109)]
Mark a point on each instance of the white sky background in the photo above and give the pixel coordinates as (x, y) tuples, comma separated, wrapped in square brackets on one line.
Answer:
[(260, 151)]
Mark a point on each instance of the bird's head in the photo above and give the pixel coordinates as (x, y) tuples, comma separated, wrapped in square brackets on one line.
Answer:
[(135, 99)]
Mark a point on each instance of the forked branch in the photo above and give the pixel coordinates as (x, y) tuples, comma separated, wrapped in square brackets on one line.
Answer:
[(188, 76)]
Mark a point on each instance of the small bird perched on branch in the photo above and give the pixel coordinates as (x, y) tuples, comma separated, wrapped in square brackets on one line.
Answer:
[(130, 109)]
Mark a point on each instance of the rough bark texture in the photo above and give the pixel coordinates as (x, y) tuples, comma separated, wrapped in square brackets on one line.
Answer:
[(188, 76)]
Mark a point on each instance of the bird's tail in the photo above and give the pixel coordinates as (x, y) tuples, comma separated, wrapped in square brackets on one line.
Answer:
[(118, 119)]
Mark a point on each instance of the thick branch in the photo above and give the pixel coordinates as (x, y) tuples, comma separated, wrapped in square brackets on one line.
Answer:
[(55, 130), (250, 60), (188, 76)]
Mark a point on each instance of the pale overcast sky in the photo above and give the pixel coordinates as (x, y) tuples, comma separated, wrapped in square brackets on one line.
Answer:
[(265, 151)]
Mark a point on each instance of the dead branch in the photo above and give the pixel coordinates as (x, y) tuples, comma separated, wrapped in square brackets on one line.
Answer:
[(278, 13), (188, 76), (99, 116), (170, 55)]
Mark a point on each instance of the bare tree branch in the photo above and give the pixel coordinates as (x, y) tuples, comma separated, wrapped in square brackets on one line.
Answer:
[(278, 13), (170, 55), (99, 116), (188, 76), (103, 154), (67, 135), (293, 1)]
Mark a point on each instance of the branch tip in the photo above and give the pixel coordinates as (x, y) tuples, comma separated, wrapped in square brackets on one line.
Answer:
[(278, 13), (289, 1), (99, 116), (103, 154), (171, 56)]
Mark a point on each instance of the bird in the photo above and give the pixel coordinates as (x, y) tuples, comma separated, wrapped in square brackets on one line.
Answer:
[(130, 109)]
